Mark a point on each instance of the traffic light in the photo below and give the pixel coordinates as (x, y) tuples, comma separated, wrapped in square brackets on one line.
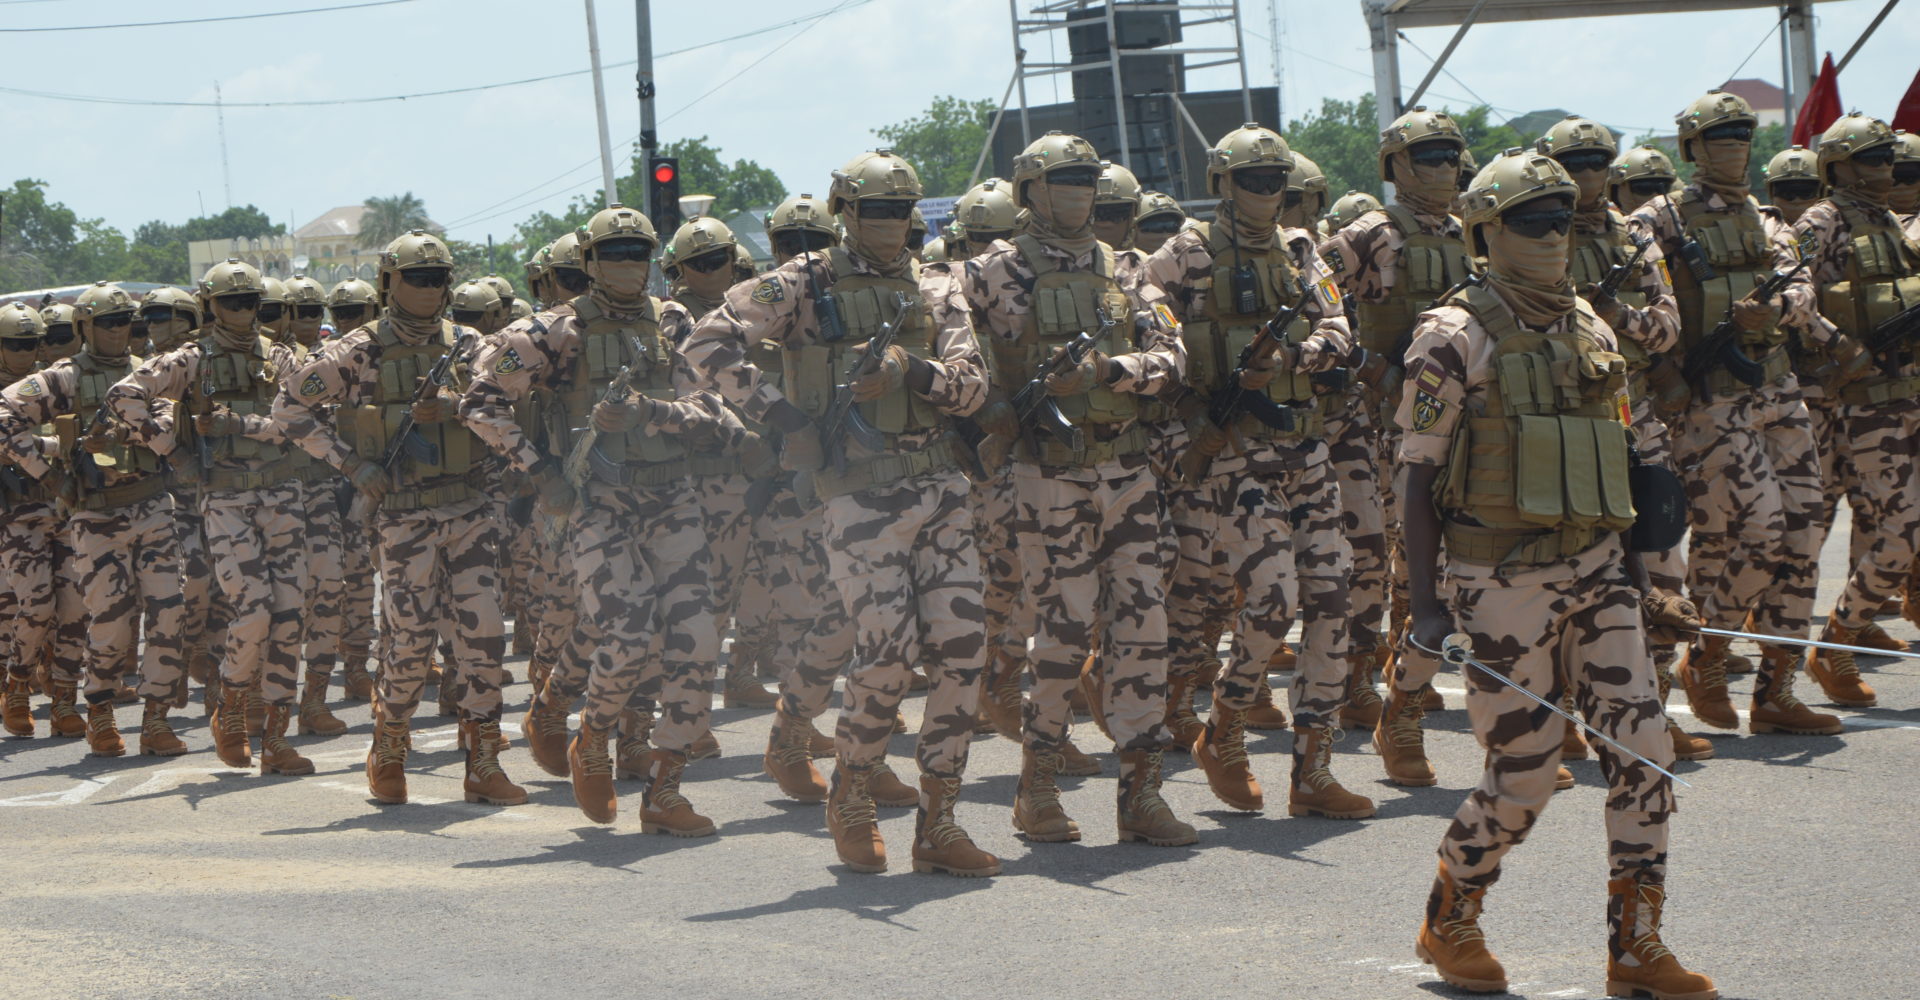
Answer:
[(663, 193)]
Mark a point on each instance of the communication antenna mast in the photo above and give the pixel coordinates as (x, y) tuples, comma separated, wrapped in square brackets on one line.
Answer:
[(1279, 74), (226, 169)]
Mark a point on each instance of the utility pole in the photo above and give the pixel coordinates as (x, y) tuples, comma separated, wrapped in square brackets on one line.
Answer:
[(643, 27), (600, 105), (226, 169)]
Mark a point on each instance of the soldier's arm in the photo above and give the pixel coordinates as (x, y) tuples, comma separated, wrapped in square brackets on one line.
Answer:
[(131, 399), (1348, 255), (24, 406), (1331, 339), (307, 393), (989, 282), (767, 308), (957, 380), (527, 353), (1655, 327), (1160, 359), (1655, 220), (1431, 410), (1821, 229), (263, 427), (1178, 274)]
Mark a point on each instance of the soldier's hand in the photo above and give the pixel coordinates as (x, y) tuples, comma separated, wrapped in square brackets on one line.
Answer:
[(435, 409), (1851, 361), (620, 418), (1260, 373), (1606, 306), (1090, 372), (994, 452), (556, 494), (1206, 437), (368, 478), (1430, 629), (998, 419), (222, 422), (105, 439), (800, 450), (887, 376), (756, 456), (1755, 317), (1670, 617)]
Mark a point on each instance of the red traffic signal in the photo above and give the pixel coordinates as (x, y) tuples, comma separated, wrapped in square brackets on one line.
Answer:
[(664, 171)]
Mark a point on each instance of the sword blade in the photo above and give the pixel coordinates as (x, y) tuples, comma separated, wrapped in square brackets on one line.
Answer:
[(1457, 653), (1776, 640)]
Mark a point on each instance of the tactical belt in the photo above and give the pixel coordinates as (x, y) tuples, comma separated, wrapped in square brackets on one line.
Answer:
[(714, 465), (1308, 424), (124, 494), (436, 493), (882, 470), (1506, 547), (1880, 392), (315, 472), (1774, 366), (652, 474), (230, 480), (1132, 441)]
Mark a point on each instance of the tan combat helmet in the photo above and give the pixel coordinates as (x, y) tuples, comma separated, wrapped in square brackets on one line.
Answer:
[(1908, 148), (1116, 198), (801, 213), (615, 222), (1418, 125), (1574, 133), (1155, 203), (1044, 155), (19, 321), (1349, 207), (348, 296), (1250, 145), (1515, 177), (103, 298), (273, 300), (502, 287), (177, 299), (565, 265), (1849, 136), (521, 310), (879, 174), (536, 266), (418, 250), (697, 238), (1712, 109), (987, 212), (1306, 188), (1795, 163), (916, 229), (57, 314), (232, 276), (1469, 168), (477, 304)]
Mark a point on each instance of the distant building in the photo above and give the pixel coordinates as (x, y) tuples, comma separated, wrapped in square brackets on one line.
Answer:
[(326, 249), (1769, 102)]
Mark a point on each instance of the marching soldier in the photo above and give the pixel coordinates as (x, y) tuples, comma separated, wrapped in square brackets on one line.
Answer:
[(121, 532), (899, 535), (321, 623), (1867, 272), (1088, 521), (1267, 517), (1393, 263), (1541, 583), (352, 303), (638, 556), (1745, 451), (1156, 220), (29, 543), (1793, 183), (213, 397), (348, 406), (1346, 210), (1640, 175)]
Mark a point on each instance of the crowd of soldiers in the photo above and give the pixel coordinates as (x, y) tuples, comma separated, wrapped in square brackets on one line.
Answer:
[(1047, 461)]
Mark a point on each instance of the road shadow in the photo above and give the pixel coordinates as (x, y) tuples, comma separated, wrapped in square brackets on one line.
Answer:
[(414, 817), (878, 898), (599, 847)]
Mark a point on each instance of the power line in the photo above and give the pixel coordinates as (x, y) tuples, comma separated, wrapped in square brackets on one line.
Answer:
[(206, 20), (1756, 48)]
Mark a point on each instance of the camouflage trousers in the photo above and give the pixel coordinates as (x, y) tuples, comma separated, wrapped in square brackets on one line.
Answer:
[(27, 534), (1274, 536), (321, 624), (729, 531), (907, 565), (1881, 444), (641, 563), (254, 540), (1666, 569), (1386, 438), (357, 592), (67, 659), (1350, 436), (1576, 623), (1090, 554), (1752, 478), (1200, 597), (791, 602), (128, 562), (197, 626), (438, 574), (1837, 481), (1009, 615)]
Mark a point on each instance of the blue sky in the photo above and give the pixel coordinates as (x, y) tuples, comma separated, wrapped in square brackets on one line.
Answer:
[(800, 99)]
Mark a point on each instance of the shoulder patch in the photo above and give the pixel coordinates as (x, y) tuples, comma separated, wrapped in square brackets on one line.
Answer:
[(1429, 378), (1329, 294), (1808, 244), (1335, 260), (31, 386), (1427, 410), (1166, 315), (312, 386), (1665, 275), (769, 291), (509, 362)]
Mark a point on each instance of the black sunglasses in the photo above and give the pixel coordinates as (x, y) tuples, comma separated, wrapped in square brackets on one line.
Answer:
[(1796, 190), (114, 322), (801, 241), (1113, 212), (1167, 223), (271, 311), (1434, 154), (20, 343), (160, 315), (1878, 156), (1649, 186), (58, 336), (1906, 173), (1293, 199), (623, 251), (988, 235), (309, 312), (1585, 159), (1537, 223), (245, 302), (1737, 133), (468, 317), (1260, 180), (348, 314), (1074, 177), (884, 208), (707, 263), (427, 277)]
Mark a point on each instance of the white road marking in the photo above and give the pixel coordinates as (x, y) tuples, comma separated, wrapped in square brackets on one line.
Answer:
[(82, 790)]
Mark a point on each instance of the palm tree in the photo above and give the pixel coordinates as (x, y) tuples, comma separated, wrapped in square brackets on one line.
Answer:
[(386, 219)]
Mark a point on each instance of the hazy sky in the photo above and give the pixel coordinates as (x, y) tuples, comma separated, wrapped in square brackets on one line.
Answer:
[(800, 99)]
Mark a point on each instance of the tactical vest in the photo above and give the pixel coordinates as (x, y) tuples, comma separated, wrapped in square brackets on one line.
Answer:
[(607, 345), (1540, 474), (305, 467), (132, 473), (866, 302), (1249, 286), (244, 382), (1882, 280), (1062, 305), (371, 426), (1428, 265), (1736, 245), (21, 489)]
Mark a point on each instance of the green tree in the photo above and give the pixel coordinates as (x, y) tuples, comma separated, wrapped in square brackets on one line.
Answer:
[(736, 187), (1486, 140), (943, 143), (159, 248), (389, 218), (1343, 137)]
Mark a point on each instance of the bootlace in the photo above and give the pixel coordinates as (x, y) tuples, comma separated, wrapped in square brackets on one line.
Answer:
[(100, 721), (857, 807), (1233, 749), (16, 695), (486, 755), (1464, 925), (1146, 798), (793, 747), (233, 716), (941, 829), (1044, 791), (1648, 947), (1781, 695), (390, 744), (552, 721), (1840, 664), (274, 733), (631, 748), (1713, 672), (64, 709), (156, 725), (666, 788), (1320, 766), (1405, 730), (593, 752)]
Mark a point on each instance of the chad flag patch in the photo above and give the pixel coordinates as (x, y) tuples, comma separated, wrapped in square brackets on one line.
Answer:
[(1427, 410), (1166, 315)]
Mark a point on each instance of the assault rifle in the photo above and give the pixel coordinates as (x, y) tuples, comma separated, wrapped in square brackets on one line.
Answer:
[(1035, 408), (1892, 334), (91, 476), (1721, 348), (409, 440), (1618, 274), (843, 419), (1231, 401)]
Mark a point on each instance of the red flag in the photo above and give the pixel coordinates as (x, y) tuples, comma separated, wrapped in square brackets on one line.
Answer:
[(1907, 116), (1821, 108)]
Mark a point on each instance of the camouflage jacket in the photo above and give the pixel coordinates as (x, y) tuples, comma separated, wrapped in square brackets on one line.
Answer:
[(344, 372), (33, 402), (1660, 219), (1364, 256), (141, 400)]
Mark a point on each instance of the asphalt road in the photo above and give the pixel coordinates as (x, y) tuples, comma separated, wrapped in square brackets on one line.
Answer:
[(1795, 864)]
